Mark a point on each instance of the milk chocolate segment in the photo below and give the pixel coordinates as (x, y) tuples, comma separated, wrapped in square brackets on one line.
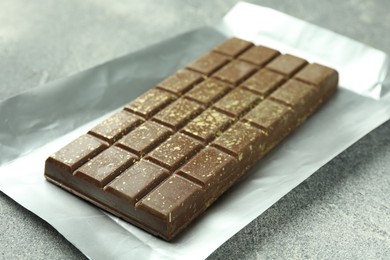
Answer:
[(178, 113), (236, 102), (233, 47), (243, 141), (209, 63), (75, 154), (276, 119), (106, 166), (176, 201), (263, 82), (235, 72), (117, 125), (259, 55), (323, 77), (137, 181), (180, 82), (208, 91), (300, 96), (286, 64), (174, 151), (211, 168), (207, 125), (150, 102), (144, 138)]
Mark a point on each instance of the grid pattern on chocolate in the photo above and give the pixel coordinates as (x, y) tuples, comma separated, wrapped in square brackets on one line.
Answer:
[(233, 47), (218, 165), (235, 72), (116, 126), (108, 164), (208, 125), (180, 82), (144, 138), (77, 153), (286, 64), (137, 181), (296, 95), (150, 102), (259, 55), (187, 125), (263, 82), (178, 113), (237, 102), (209, 63), (208, 91), (322, 77)]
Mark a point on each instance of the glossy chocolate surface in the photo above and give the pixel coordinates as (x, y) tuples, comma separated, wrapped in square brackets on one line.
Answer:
[(166, 157)]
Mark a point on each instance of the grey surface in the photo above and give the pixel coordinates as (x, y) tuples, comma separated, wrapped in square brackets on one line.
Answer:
[(342, 211)]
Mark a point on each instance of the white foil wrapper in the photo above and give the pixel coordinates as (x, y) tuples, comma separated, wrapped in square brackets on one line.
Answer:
[(37, 123)]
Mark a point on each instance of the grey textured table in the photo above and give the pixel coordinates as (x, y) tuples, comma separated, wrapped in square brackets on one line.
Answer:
[(342, 211)]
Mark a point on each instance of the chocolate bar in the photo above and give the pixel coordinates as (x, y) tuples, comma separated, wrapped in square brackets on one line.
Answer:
[(169, 154)]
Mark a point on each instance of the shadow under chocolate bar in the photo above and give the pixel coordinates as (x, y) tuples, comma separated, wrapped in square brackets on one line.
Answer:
[(169, 154)]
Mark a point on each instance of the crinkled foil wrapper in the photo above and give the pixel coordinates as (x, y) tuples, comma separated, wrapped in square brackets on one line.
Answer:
[(38, 122)]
